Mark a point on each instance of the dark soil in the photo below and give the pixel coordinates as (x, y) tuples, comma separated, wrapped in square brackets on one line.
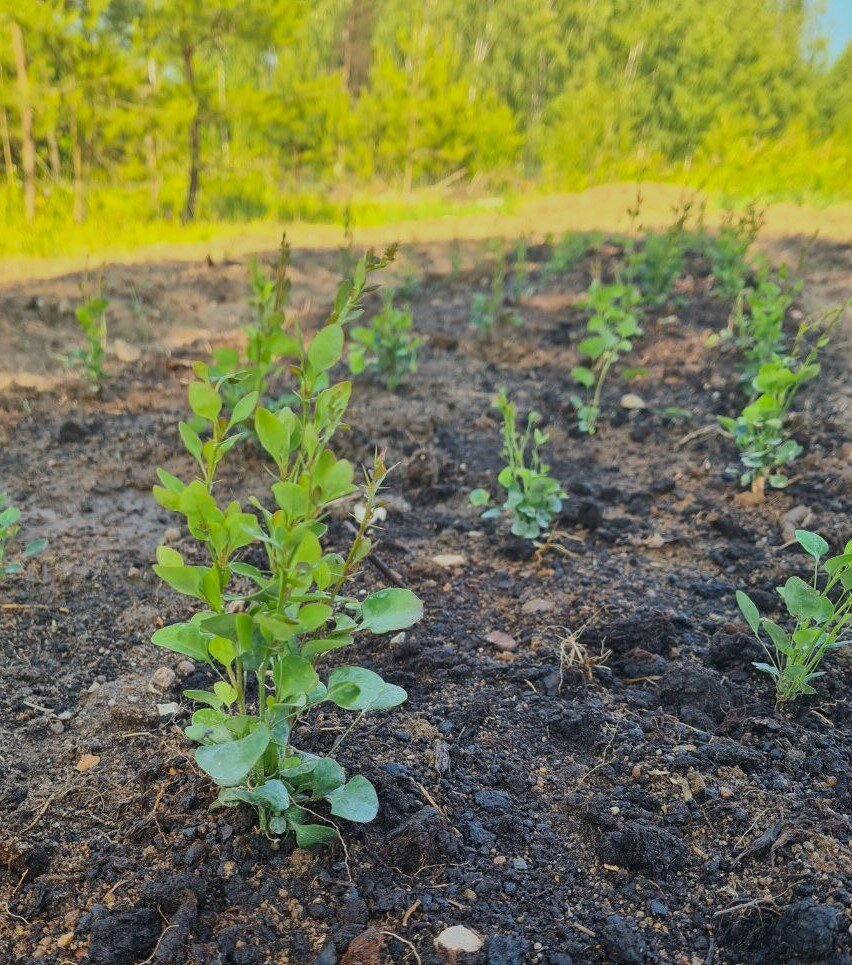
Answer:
[(652, 806)]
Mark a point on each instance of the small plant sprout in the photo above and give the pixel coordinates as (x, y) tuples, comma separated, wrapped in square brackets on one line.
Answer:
[(89, 358), (656, 264), (729, 248), (268, 344), (761, 431), (822, 614), (757, 321), (491, 309), (612, 327), (569, 251), (275, 600), (518, 280), (9, 528), (386, 346), (533, 496)]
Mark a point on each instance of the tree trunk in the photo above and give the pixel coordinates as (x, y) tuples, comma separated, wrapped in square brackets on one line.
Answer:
[(79, 172), (27, 143), (53, 154), (188, 213), (151, 156), (7, 148)]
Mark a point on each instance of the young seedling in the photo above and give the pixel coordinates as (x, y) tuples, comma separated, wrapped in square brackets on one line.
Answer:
[(268, 344), (89, 358), (570, 250), (613, 326), (518, 278), (533, 496), (728, 249), (822, 614), (758, 317), (409, 281), (656, 263), (493, 308), (761, 431), (386, 346), (9, 529), (266, 626)]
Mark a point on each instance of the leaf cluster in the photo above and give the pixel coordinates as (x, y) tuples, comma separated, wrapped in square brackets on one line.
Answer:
[(274, 597), (89, 357), (822, 611), (612, 327), (386, 345), (9, 528), (761, 431), (533, 496)]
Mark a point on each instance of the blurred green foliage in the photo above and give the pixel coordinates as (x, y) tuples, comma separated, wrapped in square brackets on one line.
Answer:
[(149, 111)]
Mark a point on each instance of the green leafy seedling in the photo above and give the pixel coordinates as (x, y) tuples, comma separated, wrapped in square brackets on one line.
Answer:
[(386, 346), (493, 309), (533, 496), (761, 431), (275, 620), (822, 611), (612, 327), (269, 344), (89, 358), (729, 248), (9, 528)]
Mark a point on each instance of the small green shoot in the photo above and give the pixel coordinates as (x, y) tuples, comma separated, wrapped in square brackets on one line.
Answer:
[(493, 309), (761, 431), (612, 328), (570, 250), (89, 358), (268, 343), (533, 496), (822, 615), (9, 528), (729, 248), (386, 346)]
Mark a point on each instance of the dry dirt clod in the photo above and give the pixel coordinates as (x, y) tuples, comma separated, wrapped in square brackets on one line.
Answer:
[(502, 640), (457, 941), (631, 401), (449, 560)]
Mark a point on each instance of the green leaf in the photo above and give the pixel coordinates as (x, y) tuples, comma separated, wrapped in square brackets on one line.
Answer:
[(355, 801), (583, 375), (389, 610), (230, 763), (243, 409), (356, 688), (273, 435), (326, 348), (293, 676), (35, 546), (190, 439), (779, 637), (271, 796), (204, 400), (593, 346), (185, 638), (204, 697), (806, 603), (479, 497), (326, 776), (748, 610), (312, 835), (812, 543)]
